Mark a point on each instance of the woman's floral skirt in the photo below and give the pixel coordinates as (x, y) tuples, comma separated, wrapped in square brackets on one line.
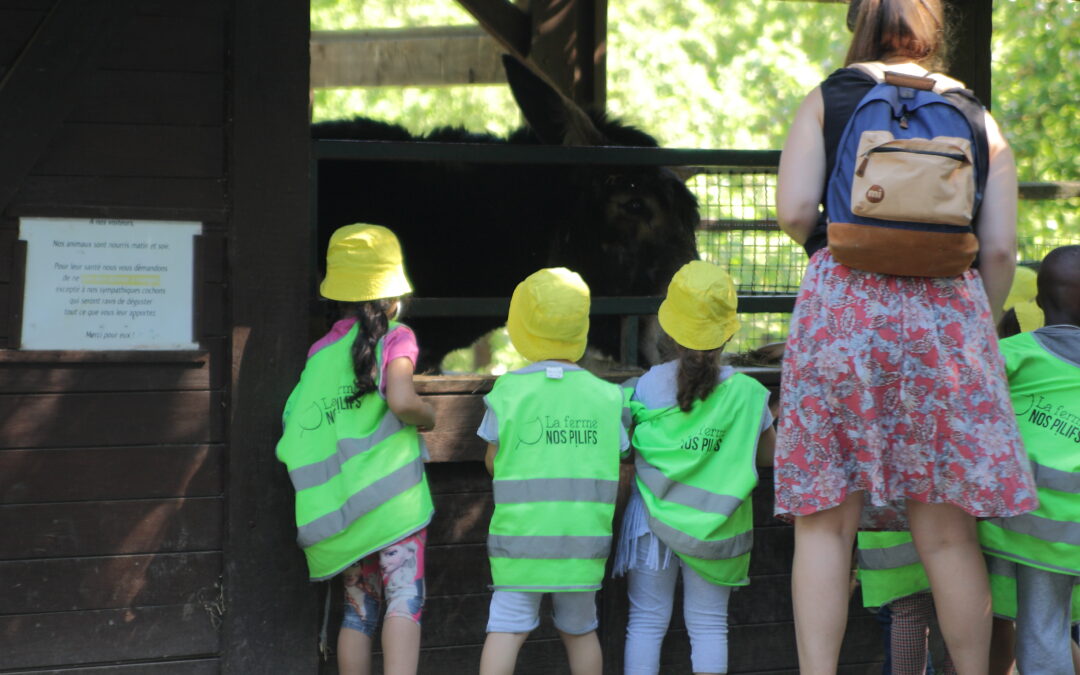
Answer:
[(895, 386)]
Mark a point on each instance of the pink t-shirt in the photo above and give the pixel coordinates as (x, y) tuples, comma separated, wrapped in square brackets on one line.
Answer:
[(400, 342)]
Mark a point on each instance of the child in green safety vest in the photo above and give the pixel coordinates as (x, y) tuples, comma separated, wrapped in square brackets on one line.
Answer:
[(700, 429), (1043, 368), (893, 582), (354, 456), (555, 435)]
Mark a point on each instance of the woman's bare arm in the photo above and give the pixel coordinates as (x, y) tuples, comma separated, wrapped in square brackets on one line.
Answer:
[(996, 226), (802, 170)]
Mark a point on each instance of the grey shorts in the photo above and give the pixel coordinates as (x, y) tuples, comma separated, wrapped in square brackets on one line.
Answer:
[(574, 612)]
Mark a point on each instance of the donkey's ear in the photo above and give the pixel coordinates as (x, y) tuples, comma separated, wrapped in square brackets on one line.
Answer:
[(556, 119)]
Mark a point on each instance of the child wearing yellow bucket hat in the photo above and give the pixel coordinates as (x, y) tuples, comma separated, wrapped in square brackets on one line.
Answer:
[(699, 430), (555, 434), (355, 457)]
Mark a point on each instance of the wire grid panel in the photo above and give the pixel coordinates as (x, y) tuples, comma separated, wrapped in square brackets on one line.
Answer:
[(739, 232)]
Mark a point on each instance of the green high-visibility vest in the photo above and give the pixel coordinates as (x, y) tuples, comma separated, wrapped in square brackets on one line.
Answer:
[(556, 477), (1045, 389), (1002, 575), (356, 468), (889, 567), (695, 471)]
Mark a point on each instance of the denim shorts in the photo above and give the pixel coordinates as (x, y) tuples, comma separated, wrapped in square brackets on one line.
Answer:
[(519, 612)]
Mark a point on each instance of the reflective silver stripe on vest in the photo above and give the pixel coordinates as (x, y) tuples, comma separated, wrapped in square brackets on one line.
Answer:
[(1055, 479), (721, 549), (668, 490), (1053, 531), (548, 547), (312, 475), (362, 503), (888, 557), (555, 490), (1006, 567)]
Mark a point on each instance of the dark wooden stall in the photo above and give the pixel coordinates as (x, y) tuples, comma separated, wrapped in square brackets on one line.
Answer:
[(145, 524), (143, 518)]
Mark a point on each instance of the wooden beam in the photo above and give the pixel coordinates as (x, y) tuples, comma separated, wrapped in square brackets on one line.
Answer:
[(269, 257), (445, 55), (569, 45), (505, 22), (39, 89), (969, 54)]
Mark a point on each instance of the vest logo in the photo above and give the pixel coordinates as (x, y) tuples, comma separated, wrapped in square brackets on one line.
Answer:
[(1059, 420), (553, 430), (875, 194), (709, 440)]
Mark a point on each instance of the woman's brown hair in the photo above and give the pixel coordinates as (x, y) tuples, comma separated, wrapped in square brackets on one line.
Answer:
[(908, 29), (697, 376)]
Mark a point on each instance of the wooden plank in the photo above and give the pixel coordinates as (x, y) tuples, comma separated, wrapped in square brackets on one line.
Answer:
[(130, 197), (198, 666), (79, 584), (270, 257), (458, 477), (110, 528), (16, 294), (454, 437), (429, 56), (445, 567), (461, 518), (17, 25), (141, 472), (134, 150), (66, 372), (146, 97), (45, 81), (193, 43), (77, 420), (505, 22), (75, 638)]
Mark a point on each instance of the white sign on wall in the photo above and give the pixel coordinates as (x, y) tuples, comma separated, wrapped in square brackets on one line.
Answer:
[(108, 284)]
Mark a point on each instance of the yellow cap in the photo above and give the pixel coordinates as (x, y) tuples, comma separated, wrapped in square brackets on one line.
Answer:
[(699, 310), (1022, 299), (363, 262), (549, 315)]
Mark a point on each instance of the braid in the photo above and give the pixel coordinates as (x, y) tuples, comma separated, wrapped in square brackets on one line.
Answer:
[(697, 374), (371, 315)]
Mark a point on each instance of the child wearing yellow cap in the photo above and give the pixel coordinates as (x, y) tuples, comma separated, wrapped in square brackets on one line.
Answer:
[(699, 430), (555, 433), (355, 457)]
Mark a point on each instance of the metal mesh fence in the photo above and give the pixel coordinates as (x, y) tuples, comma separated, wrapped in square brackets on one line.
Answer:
[(739, 232)]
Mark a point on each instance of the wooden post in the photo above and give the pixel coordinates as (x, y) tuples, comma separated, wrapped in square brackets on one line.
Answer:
[(969, 57), (271, 613), (569, 45)]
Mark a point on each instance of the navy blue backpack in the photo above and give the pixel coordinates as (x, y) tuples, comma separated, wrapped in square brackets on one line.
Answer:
[(909, 177)]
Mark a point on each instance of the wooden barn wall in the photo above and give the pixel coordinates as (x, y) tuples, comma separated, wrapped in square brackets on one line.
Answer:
[(115, 466)]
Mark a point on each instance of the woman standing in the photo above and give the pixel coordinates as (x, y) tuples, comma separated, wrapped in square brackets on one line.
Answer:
[(894, 401)]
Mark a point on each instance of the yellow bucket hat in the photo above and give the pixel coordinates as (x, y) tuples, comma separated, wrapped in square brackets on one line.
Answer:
[(363, 262), (1022, 299), (699, 310), (549, 315)]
